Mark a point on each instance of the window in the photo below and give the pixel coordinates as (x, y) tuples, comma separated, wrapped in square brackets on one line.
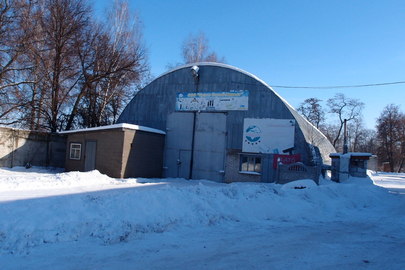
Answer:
[(75, 151), (250, 164)]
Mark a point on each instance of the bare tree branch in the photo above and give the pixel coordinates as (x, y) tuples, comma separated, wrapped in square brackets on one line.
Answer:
[(344, 108)]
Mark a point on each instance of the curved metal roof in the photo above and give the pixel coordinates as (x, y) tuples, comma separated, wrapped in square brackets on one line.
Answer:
[(290, 107), (224, 66)]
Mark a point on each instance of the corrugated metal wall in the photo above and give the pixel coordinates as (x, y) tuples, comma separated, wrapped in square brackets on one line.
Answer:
[(151, 106)]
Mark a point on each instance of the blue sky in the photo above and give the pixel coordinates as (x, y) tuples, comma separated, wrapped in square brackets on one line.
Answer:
[(290, 42)]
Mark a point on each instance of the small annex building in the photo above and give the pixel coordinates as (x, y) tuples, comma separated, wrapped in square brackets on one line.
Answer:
[(120, 150), (225, 124)]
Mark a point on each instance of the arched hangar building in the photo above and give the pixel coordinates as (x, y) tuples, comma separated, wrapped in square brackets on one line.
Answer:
[(224, 124)]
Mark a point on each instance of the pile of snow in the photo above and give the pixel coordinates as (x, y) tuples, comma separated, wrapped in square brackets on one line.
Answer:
[(115, 215), (40, 207), (40, 178)]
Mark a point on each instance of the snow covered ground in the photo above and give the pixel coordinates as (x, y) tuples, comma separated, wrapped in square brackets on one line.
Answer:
[(55, 220), (393, 182)]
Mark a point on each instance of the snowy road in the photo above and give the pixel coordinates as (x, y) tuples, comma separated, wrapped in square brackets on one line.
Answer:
[(340, 245), (392, 182), (51, 220)]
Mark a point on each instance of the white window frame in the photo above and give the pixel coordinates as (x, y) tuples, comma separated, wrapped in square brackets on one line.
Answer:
[(253, 164), (75, 151)]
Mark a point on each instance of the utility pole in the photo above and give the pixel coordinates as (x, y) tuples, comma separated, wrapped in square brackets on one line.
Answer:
[(345, 147)]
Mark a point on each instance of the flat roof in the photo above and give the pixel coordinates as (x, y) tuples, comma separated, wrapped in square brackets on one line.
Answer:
[(115, 126), (351, 154)]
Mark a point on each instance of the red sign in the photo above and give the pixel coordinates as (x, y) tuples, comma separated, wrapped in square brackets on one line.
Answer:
[(286, 159)]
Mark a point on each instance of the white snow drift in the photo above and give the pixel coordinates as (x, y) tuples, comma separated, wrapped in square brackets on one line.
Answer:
[(49, 217)]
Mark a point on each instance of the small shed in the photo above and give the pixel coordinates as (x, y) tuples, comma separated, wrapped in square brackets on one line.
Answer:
[(349, 164), (120, 150)]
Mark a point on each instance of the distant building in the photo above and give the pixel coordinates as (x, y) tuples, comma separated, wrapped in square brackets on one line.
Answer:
[(226, 125)]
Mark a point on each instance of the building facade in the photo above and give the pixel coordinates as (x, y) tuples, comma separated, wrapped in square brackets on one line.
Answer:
[(224, 124)]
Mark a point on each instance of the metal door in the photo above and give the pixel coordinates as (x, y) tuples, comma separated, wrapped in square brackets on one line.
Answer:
[(90, 156), (209, 146), (178, 146)]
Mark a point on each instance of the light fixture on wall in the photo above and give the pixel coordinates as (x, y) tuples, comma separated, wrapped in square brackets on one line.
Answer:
[(194, 71)]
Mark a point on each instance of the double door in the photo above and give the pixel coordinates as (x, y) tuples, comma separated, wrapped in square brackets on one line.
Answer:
[(195, 145)]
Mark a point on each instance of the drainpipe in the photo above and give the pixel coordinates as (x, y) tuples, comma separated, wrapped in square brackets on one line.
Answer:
[(345, 147), (196, 76)]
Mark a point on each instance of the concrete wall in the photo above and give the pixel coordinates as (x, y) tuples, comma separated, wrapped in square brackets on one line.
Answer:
[(143, 154), (296, 171), (372, 163), (19, 147)]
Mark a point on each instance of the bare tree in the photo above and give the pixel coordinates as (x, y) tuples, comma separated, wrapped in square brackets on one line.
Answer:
[(367, 142), (196, 49), (312, 110), (130, 62), (331, 130), (391, 134), (113, 61), (13, 43), (59, 68), (344, 108), (60, 23), (361, 139)]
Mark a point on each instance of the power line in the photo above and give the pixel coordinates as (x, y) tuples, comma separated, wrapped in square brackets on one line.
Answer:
[(339, 86)]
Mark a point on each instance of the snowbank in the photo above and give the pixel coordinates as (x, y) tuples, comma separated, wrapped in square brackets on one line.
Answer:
[(38, 207)]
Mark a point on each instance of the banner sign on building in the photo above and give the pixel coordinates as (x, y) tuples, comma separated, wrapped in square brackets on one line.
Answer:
[(270, 136), (285, 159), (213, 101)]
